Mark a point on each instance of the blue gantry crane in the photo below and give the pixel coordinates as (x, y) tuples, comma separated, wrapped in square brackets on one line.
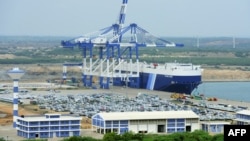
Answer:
[(118, 51)]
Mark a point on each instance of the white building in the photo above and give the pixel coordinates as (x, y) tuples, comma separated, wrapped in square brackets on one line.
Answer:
[(243, 117), (214, 126), (146, 122), (48, 126)]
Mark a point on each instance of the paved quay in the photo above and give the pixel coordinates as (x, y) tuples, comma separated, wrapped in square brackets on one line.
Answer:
[(131, 93)]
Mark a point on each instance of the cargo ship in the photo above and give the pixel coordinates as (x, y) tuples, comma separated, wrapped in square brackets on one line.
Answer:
[(170, 77), (117, 42)]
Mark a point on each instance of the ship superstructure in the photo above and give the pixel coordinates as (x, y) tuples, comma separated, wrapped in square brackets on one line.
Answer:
[(170, 77)]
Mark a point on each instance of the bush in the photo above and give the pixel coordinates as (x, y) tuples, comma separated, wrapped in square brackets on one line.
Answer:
[(111, 137)]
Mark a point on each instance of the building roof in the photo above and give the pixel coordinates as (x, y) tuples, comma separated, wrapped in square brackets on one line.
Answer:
[(215, 122), (148, 115), (242, 120), (244, 112), (43, 118)]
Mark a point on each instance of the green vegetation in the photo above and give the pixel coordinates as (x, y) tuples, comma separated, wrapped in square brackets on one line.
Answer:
[(81, 139), (186, 136), (129, 136), (212, 51), (205, 56)]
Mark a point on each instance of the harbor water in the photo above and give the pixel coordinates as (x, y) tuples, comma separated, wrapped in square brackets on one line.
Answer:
[(236, 91)]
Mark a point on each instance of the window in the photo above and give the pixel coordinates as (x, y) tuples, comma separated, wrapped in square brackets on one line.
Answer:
[(123, 125), (123, 130), (64, 127), (33, 123), (44, 123), (171, 130), (75, 127), (64, 122), (55, 116), (108, 123), (102, 123), (171, 120), (54, 127), (213, 128), (115, 123), (180, 129), (171, 124), (180, 120), (75, 122), (54, 122), (98, 123), (123, 122), (94, 121), (180, 124)]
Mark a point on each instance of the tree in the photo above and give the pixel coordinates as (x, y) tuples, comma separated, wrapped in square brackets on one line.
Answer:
[(111, 137), (79, 138), (2, 139), (218, 137)]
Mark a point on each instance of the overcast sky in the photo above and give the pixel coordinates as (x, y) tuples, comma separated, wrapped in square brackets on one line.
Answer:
[(171, 18)]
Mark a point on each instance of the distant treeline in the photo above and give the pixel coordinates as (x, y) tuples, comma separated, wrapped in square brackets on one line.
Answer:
[(211, 51)]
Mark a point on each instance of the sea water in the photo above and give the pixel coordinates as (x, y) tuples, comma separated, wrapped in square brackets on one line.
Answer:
[(237, 91)]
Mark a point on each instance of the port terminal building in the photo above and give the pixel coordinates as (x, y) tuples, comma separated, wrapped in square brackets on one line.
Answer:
[(48, 126), (214, 127), (242, 117), (145, 122)]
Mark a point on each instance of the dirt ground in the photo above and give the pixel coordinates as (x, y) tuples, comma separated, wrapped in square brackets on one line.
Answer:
[(7, 116), (43, 72), (225, 75), (7, 108)]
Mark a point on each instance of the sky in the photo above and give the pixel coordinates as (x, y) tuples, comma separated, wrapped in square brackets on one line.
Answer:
[(171, 18)]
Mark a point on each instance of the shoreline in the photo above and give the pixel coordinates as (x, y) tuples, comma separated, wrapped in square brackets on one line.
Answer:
[(45, 86)]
